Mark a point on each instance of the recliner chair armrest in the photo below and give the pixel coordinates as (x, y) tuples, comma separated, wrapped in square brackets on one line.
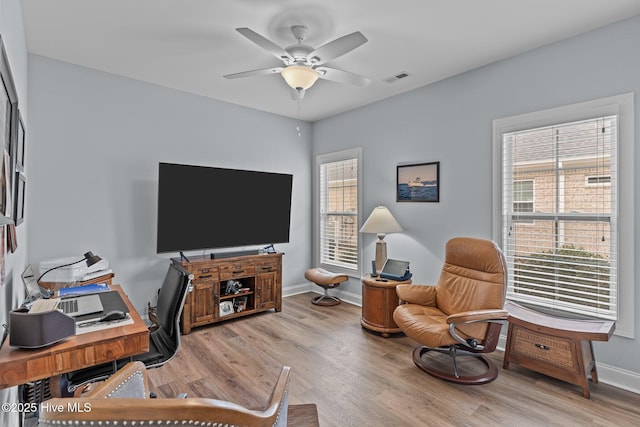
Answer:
[(477, 316), (417, 294)]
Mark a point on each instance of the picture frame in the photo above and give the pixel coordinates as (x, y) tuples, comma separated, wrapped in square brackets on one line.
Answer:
[(20, 147), (419, 182), (226, 308), (21, 185), (8, 128), (239, 304)]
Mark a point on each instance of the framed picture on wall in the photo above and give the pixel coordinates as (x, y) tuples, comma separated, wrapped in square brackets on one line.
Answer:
[(418, 182), (21, 184), (20, 148), (8, 130)]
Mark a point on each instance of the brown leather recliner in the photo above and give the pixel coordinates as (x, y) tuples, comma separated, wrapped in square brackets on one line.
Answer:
[(462, 314)]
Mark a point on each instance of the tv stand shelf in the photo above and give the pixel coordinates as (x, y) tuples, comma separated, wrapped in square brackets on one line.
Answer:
[(260, 275)]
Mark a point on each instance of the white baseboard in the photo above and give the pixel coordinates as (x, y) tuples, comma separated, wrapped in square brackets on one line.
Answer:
[(348, 297), (296, 289), (611, 375), (617, 377)]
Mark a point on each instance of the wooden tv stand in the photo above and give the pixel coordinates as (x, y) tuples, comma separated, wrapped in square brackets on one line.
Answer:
[(260, 277)]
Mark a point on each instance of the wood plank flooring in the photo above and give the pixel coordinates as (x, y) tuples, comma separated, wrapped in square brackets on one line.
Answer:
[(358, 378)]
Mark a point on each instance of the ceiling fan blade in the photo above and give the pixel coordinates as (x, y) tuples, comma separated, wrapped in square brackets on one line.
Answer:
[(296, 95), (252, 73), (340, 76), (336, 48), (265, 43)]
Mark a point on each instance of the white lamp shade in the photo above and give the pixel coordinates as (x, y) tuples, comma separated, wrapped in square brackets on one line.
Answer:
[(381, 221), (299, 76)]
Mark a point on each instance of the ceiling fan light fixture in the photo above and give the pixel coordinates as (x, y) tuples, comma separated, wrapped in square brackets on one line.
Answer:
[(299, 76)]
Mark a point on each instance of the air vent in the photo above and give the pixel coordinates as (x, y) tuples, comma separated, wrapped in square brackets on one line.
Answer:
[(399, 76)]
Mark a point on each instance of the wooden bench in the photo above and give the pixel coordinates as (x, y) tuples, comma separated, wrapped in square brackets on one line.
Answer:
[(554, 346)]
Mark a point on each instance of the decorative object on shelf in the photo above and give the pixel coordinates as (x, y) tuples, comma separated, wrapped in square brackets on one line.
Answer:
[(226, 308), (233, 287), (418, 182), (239, 304), (381, 222)]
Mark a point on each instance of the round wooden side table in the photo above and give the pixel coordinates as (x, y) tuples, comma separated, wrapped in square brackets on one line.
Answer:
[(379, 299)]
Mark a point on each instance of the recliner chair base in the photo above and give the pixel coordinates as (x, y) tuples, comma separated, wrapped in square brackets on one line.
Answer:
[(490, 374), (325, 299)]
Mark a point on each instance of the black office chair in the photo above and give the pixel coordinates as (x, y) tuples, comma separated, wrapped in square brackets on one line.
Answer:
[(164, 338)]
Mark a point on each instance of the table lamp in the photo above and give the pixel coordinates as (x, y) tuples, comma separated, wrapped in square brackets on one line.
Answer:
[(89, 257), (381, 222)]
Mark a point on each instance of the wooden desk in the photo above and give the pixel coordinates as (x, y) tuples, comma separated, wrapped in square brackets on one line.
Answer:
[(19, 366), (554, 346), (54, 286)]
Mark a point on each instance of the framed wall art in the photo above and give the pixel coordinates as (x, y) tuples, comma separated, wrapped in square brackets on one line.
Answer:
[(20, 147), (8, 130), (21, 184), (418, 182)]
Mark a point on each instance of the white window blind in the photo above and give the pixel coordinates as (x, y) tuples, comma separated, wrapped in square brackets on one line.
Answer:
[(339, 213), (559, 229)]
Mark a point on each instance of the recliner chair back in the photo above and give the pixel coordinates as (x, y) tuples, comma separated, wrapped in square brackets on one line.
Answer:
[(473, 277)]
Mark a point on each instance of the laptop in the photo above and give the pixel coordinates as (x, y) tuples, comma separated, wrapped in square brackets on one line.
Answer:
[(74, 306)]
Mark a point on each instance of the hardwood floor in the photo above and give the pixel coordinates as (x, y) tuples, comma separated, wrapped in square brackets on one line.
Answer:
[(358, 378)]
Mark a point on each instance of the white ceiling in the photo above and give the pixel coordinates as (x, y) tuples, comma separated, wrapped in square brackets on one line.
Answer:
[(189, 44)]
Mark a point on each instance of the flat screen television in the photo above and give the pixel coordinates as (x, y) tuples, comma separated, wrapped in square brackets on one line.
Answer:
[(202, 207)]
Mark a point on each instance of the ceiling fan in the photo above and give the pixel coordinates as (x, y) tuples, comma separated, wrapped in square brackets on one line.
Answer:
[(303, 64)]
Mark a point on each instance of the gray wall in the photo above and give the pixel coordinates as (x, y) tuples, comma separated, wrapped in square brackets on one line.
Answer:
[(451, 122), (94, 150), (12, 292)]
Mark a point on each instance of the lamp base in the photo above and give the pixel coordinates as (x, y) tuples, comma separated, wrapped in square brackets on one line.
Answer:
[(381, 254)]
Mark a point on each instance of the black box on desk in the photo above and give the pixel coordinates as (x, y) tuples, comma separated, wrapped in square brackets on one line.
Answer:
[(34, 330)]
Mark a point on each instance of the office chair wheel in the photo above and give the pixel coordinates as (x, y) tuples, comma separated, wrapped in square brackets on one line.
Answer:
[(488, 372)]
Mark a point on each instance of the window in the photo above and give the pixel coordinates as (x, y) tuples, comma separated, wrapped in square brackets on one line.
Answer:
[(338, 209), (523, 196), (567, 254)]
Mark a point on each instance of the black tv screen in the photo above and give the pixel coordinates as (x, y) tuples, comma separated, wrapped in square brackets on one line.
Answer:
[(203, 207)]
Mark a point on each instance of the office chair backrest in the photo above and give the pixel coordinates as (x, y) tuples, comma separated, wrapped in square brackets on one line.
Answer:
[(171, 298), (473, 276)]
